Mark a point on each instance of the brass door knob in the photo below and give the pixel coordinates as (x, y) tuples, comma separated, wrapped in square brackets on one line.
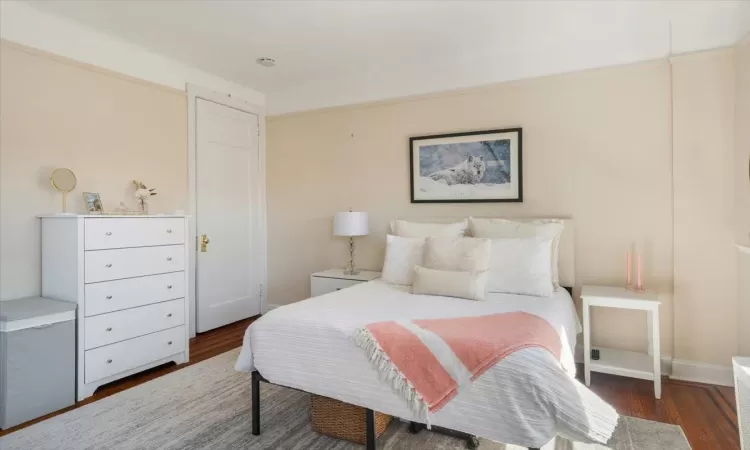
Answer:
[(204, 242)]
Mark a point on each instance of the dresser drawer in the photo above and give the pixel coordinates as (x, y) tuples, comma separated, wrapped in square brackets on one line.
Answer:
[(321, 286), (105, 233), (118, 326), (109, 296), (105, 265), (112, 359)]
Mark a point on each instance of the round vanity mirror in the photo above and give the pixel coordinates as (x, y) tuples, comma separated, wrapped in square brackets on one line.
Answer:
[(64, 180)]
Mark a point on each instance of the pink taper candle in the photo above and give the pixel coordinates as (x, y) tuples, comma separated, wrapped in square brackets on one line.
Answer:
[(629, 265), (639, 284)]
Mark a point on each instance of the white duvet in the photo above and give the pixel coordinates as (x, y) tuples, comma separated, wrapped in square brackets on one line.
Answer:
[(525, 399)]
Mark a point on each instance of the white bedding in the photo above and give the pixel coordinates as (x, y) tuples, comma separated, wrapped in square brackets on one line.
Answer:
[(525, 399)]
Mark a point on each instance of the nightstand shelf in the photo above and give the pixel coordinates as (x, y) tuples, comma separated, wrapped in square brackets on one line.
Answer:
[(332, 280), (623, 363), (646, 366)]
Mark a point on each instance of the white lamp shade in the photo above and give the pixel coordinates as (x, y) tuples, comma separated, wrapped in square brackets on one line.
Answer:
[(350, 224)]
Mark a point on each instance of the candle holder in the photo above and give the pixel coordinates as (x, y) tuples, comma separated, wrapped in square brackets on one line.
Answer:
[(628, 269), (636, 286), (638, 272)]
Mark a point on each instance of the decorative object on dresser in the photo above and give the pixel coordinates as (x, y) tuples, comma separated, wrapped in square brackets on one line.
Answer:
[(122, 208), (476, 166), (142, 193), (64, 180), (337, 279), (622, 362), (741, 367), (350, 224), (93, 202), (128, 275), (37, 358)]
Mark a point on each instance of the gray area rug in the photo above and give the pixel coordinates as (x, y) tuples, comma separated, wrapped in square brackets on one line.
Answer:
[(207, 406)]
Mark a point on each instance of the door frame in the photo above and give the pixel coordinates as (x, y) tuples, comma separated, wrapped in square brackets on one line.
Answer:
[(193, 94)]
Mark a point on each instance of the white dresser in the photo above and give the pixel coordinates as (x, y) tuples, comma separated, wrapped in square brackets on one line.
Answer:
[(129, 276)]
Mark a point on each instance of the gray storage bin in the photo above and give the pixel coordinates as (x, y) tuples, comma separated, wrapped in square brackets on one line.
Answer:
[(37, 358)]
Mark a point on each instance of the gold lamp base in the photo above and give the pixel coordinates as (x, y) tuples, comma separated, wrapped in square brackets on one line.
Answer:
[(351, 268)]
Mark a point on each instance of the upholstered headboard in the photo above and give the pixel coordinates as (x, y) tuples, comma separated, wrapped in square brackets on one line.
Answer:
[(567, 261)]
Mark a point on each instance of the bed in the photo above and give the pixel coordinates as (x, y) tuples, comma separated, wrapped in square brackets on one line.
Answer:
[(526, 399)]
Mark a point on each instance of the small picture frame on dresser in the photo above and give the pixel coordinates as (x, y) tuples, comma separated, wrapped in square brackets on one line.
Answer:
[(93, 202)]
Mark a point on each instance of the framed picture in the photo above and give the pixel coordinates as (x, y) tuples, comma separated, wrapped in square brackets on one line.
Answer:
[(93, 202), (476, 166)]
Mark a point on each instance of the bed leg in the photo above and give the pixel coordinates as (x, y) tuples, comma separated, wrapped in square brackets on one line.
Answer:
[(256, 403), (370, 426), (416, 427)]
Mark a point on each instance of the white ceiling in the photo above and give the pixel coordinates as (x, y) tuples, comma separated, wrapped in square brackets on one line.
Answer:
[(340, 52)]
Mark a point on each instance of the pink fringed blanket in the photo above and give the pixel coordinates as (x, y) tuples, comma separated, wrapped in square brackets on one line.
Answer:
[(426, 361)]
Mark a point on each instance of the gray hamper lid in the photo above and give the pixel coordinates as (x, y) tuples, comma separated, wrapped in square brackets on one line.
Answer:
[(33, 312)]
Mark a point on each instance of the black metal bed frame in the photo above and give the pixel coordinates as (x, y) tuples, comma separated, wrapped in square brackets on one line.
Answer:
[(472, 441)]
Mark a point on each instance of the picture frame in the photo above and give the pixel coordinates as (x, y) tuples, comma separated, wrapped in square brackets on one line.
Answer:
[(469, 167), (93, 202)]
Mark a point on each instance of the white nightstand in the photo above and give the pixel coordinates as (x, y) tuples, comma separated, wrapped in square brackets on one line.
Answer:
[(646, 366), (334, 280)]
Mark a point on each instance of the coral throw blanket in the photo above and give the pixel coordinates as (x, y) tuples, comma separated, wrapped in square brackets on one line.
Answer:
[(427, 361)]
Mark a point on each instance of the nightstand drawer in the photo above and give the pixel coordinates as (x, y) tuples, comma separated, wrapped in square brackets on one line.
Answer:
[(321, 286)]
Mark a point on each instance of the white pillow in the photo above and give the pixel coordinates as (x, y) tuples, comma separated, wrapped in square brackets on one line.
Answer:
[(457, 253), (521, 266), (449, 283), (504, 228), (401, 255), (422, 230)]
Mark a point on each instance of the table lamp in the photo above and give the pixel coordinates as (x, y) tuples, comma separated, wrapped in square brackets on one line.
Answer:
[(350, 224)]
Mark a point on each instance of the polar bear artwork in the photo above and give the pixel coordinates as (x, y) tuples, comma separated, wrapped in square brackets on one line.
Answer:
[(470, 171)]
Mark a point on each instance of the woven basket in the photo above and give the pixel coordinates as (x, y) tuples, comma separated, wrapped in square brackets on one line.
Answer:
[(342, 420)]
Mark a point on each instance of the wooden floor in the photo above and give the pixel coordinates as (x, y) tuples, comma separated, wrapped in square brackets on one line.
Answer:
[(705, 412)]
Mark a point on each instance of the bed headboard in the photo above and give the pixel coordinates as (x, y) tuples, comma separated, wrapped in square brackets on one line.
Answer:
[(566, 262)]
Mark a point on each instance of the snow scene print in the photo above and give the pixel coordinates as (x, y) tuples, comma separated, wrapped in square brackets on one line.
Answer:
[(482, 166)]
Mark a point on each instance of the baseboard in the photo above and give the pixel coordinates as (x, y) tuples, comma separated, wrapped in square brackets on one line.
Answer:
[(680, 369), (666, 360), (702, 372), (272, 306)]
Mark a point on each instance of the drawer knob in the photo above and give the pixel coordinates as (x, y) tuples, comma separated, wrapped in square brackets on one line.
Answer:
[(169, 343), (169, 315), (109, 328), (168, 230), (169, 258), (109, 297), (169, 286), (109, 361), (108, 233), (108, 265)]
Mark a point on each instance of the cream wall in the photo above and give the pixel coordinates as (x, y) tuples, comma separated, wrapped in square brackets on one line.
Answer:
[(742, 185), (596, 148), (742, 139), (705, 258), (107, 128)]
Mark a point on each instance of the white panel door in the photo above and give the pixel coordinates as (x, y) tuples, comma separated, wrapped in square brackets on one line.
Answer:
[(228, 207)]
